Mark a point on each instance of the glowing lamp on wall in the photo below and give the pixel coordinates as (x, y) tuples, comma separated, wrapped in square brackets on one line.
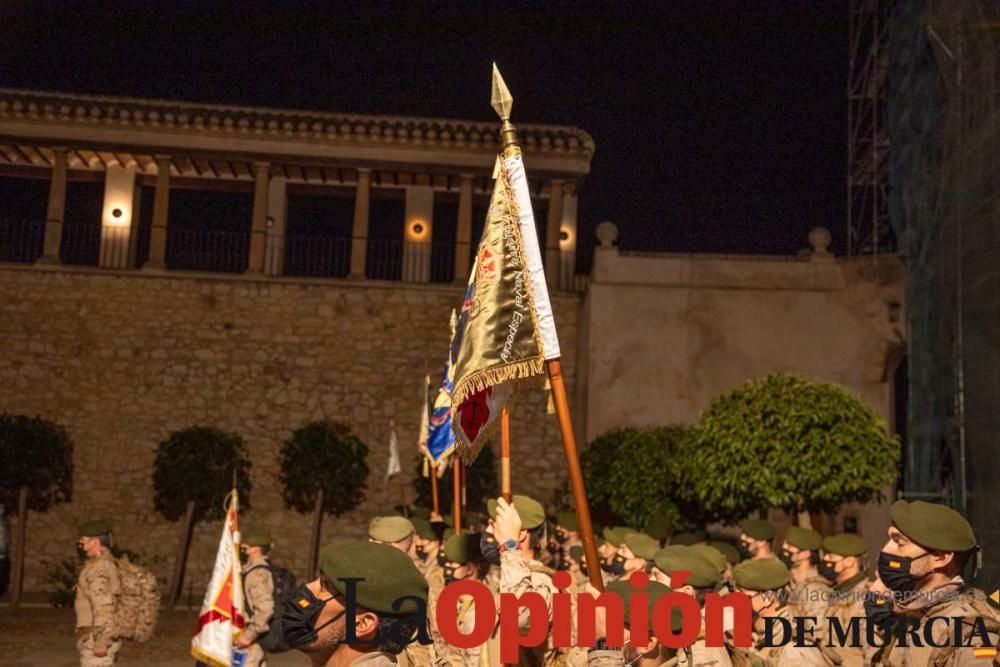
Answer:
[(566, 238), (417, 230), (117, 215)]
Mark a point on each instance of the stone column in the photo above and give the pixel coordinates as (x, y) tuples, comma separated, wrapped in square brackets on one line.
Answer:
[(277, 208), (57, 209), (116, 218), (359, 232), (161, 204), (463, 235), (258, 225), (552, 234), (417, 234), (568, 238)]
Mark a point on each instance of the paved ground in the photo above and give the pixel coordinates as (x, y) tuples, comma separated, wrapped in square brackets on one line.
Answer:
[(43, 637)]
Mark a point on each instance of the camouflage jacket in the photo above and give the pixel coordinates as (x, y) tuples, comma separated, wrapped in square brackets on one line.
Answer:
[(259, 588), (97, 593)]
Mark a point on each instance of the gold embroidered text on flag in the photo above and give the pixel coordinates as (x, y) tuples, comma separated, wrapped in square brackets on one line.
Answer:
[(500, 332)]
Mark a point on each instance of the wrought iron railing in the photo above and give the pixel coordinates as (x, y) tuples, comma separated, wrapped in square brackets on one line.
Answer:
[(21, 240), (322, 256), (81, 243), (385, 259), (207, 250), (442, 262)]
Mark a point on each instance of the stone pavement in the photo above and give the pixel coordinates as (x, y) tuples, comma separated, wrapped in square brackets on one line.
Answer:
[(43, 637)]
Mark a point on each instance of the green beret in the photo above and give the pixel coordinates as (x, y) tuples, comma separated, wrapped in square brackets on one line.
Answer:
[(679, 557), (615, 536), (567, 521), (642, 545), (420, 513), (623, 589), (530, 510), (448, 533), (758, 529), (95, 528), (845, 544), (388, 575), (765, 574), (803, 538), (933, 526), (659, 527), (390, 529), (712, 555), (256, 537), (456, 549), (576, 553), (731, 553), (687, 539), (423, 528)]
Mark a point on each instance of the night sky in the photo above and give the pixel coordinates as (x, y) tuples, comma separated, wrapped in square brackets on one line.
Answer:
[(720, 126)]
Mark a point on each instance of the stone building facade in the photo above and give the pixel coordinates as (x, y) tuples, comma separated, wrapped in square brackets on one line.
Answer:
[(137, 339)]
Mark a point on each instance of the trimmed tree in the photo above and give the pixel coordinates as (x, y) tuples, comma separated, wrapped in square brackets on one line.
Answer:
[(480, 483), (323, 470), (193, 473), (631, 473), (36, 460), (787, 442)]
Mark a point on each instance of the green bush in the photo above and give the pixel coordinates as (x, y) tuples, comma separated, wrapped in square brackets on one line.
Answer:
[(481, 484), (632, 474), (786, 442), (38, 454), (198, 464), (324, 455)]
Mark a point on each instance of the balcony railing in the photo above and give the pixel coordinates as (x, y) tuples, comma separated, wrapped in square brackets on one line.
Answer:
[(385, 259), (21, 240), (321, 256), (204, 250), (81, 243)]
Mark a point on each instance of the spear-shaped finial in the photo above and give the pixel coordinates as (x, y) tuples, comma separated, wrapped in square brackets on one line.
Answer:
[(502, 102)]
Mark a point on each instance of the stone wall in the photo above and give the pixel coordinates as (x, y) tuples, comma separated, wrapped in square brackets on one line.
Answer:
[(122, 359)]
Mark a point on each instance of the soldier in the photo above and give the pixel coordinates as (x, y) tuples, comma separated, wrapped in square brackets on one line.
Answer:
[(843, 566), (756, 538), (396, 531), (639, 550), (97, 593), (314, 619), (458, 566), (519, 528), (426, 546), (613, 564), (810, 593), (732, 555), (651, 654), (922, 563), (763, 582), (702, 579), (258, 586), (658, 527)]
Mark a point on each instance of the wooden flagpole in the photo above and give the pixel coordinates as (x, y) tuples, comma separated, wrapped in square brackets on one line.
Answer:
[(456, 485), (505, 453), (435, 502)]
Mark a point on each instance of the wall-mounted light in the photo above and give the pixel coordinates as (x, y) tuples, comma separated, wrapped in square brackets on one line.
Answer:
[(565, 237), (117, 213), (418, 229)]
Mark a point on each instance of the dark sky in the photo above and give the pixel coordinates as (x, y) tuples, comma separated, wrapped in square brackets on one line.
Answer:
[(720, 125)]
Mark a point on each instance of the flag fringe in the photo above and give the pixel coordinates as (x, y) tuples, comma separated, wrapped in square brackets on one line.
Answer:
[(519, 371)]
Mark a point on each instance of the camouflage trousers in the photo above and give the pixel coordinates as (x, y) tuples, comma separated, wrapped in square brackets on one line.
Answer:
[(85, 647)]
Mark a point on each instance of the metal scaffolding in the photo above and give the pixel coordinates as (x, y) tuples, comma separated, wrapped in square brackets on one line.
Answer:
[(868, 229)]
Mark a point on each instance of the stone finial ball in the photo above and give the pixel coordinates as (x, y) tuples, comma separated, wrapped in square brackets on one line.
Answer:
[(819, 240), (607, 233)]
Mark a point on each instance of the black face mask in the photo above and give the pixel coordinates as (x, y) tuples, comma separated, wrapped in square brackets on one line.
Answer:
[(826, 570), (449, 575), (441, 558), (744, 551), (552, 548), (420, 552), (616, 566), (490, 549), (785, 556), (878, 609), (298, 615), (244, 557), (561, 537), (80, 553), (894, 571)]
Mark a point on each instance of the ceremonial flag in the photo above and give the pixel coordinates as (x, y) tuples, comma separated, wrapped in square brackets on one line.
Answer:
[(222, 612), (506, 330), (441, 438), (393, 468)]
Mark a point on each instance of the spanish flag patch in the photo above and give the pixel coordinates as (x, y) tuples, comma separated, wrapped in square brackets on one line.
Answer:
[(984, 652)]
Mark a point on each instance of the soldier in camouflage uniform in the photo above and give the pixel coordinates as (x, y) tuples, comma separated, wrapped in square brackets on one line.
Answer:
[(809, 592), (843, 565), (258, 586), (755, 539), (922, 562), (650, 655), (426, 546), (458, 566), (97, 593)]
